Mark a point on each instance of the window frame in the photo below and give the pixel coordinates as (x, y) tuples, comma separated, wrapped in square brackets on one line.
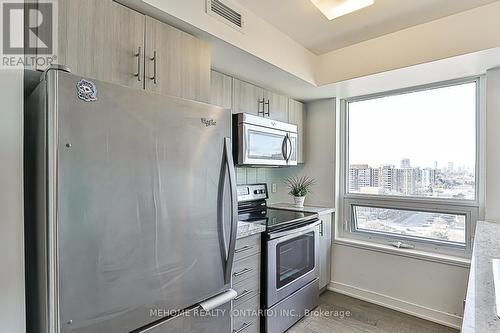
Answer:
[(472, 209)]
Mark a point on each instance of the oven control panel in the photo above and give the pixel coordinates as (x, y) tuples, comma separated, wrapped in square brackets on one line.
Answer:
[(252, 192)]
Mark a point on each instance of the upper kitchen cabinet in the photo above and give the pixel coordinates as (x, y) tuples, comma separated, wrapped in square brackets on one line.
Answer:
[(102, 40), (177, 63), (297, 114), (221, 87), (275, 106), (247, 98), (255, 100)]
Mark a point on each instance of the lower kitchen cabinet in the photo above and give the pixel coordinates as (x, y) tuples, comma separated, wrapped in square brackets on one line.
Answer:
[(246, 282), (325, 250)]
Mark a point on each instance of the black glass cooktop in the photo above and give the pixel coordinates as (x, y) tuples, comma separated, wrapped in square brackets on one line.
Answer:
[(275, 219)]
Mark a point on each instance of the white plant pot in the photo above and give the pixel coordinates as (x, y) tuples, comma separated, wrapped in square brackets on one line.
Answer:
[(299, 201)]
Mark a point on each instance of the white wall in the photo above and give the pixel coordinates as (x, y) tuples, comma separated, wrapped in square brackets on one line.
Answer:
[(320, 151), (492, 209), (12, 307), (430, 290)]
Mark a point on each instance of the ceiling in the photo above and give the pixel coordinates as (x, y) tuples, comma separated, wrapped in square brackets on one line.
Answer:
[(303, 22)]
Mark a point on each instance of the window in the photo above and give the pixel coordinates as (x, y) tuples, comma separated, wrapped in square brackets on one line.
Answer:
[(418, 224), (411, 166)]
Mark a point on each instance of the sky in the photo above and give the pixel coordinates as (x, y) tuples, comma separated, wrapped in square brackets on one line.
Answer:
[(425, 126)]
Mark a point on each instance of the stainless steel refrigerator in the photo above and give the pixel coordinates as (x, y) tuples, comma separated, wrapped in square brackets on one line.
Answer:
[(130, 210)]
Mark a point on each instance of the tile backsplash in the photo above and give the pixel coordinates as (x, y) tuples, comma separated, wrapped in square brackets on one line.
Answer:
[(246, 175)]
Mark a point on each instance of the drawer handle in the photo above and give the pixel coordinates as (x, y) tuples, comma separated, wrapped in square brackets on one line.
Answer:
[(243, 294), (243, 249), (243, 327), (242, 272)]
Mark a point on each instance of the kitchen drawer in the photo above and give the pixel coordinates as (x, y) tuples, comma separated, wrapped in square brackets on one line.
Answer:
[(246, 268), (247, 289), (248, 327), (247, 246), (247, 312)]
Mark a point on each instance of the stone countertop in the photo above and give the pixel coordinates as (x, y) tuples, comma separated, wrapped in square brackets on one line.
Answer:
[(246, 229), (480, 309), (308, 209)]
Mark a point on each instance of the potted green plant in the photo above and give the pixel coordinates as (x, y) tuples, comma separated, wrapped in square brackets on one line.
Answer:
[(299, 188)]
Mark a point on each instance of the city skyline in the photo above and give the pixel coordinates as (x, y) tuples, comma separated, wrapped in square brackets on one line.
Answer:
[(407, 179), (436, 166)]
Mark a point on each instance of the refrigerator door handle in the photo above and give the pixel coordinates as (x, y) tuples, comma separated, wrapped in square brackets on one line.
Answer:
[(228, 157)]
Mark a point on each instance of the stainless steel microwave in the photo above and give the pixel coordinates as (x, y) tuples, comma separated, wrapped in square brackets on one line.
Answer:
[(263, 141)]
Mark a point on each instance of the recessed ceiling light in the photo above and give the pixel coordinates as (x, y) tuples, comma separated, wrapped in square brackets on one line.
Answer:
[(336, 8)]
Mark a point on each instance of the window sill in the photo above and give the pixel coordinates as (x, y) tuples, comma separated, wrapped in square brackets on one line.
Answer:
[(410, 253)]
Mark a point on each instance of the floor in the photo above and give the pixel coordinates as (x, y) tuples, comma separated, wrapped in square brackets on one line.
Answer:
[(342, 314)]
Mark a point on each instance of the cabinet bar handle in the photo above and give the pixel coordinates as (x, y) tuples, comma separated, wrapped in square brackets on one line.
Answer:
[(155, 74), (242, 328), (243, 271), (268, 103), (243, 294), (138, 55), (263, 107), (243, 249)]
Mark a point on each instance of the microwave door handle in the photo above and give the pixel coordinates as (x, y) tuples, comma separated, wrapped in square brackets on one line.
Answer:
[(284, 147), (291, 148)]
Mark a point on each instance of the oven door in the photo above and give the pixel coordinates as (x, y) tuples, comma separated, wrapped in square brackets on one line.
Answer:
[(292, 262), (259, 145)]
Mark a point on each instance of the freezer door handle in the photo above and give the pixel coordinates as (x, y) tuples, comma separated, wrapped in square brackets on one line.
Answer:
[(216, 301), (229, 248)]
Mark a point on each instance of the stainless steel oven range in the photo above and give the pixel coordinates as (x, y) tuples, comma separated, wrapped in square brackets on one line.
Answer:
[(290, 269)]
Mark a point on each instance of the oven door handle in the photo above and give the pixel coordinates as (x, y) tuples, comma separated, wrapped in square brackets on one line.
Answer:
[(295, 232)]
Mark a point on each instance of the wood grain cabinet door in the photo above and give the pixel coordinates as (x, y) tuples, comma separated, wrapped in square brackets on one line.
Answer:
[(276, 106), (296, 116), (177, 63), (247, 98), (221, 87), (103, 40)]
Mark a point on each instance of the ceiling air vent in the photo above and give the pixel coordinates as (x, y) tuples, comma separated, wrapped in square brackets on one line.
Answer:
[(227, 14)]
